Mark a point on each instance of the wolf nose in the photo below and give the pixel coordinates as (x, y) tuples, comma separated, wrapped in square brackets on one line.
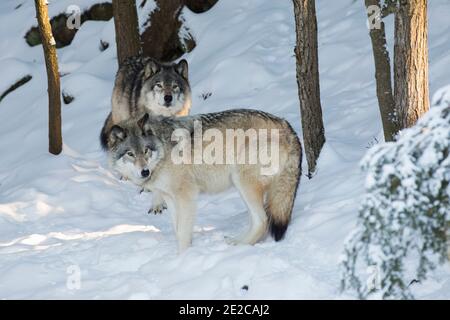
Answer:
[(145, 173), (168, 98)]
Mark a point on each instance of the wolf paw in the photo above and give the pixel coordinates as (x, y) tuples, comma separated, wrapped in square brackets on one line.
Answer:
[(158, 209), (243, 239), (232, 240)]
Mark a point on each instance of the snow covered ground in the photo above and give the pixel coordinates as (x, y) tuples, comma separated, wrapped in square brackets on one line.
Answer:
[(64, 214)]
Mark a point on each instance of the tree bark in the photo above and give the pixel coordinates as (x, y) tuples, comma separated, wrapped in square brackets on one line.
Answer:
[(306, 52), (127, 29), (411, 61), (51, 63), (382, 72), (161, 39)]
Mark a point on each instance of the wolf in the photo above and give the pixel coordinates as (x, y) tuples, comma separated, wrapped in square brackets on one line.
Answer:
[(144, 85), (130, 155), (269, 197)]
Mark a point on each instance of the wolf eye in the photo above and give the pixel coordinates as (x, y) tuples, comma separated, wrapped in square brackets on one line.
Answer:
[(130, 154), (159, 85), (148, 150), (175, 87)]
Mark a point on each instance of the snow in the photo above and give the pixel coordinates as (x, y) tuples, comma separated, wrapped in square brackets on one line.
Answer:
[(405, 208), (14, 70), (69, 212)]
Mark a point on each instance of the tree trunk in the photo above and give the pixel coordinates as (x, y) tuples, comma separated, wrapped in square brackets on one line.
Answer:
[(127, 29), (51, 63), (411, 61), (161, 38), (306, 52), (382, 72)]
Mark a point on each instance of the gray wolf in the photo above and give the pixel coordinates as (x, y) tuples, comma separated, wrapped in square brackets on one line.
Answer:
[(130, 155), (144, 85), (269, 197)]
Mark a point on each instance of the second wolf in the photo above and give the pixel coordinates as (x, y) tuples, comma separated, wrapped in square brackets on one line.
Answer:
[(144, 149), (144, 85)]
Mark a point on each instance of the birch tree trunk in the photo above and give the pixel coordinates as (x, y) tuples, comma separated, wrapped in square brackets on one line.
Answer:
[(306, 52), (51, 63), (411, 61), (126, 25)]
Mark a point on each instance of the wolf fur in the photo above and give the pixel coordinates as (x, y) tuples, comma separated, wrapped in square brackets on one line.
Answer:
[(269, 198), (130, 154), (144, 85)]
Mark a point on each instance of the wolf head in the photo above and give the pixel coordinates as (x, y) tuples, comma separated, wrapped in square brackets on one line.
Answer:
[(166, 88), (131, 153)]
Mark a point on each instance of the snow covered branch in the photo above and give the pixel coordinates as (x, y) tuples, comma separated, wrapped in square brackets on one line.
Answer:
[(404, 216)]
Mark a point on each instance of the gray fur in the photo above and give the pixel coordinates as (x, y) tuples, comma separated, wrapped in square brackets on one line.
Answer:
[(270, 198), (143, 85), (138, 82)]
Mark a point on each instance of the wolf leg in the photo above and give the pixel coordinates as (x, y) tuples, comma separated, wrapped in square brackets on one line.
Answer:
[(158, 203), (253, 195), (184, 216)]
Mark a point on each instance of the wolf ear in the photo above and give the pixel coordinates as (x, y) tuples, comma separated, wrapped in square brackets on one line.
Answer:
[(151, 68), (144, 124), (182, 69), (116, 135)]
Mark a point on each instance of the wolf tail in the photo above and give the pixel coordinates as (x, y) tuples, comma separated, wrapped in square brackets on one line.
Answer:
[(283, 189), (105, 131)]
